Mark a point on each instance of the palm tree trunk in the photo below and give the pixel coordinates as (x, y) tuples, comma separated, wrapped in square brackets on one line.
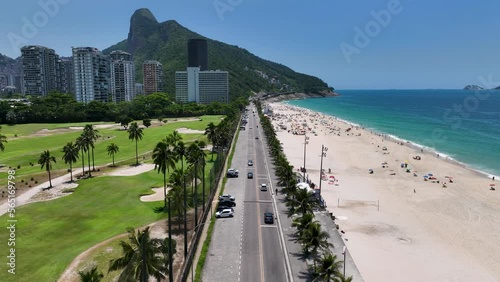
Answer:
[(165, 193), (50, 180), (83, 164), (170, 262), (71, 171), (136, 154), (144, 266), (203, 177), (195, 196), (88, 158), (93, 165), (185, 220), (113, 157)]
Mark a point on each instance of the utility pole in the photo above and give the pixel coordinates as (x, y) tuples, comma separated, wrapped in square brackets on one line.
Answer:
[(323, 154), (304, 167)]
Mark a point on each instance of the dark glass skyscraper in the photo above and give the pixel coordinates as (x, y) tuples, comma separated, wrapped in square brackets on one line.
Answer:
[(198, 54)]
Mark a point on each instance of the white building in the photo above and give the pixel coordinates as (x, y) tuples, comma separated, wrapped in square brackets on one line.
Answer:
[(91, 75), (203, 87), (122, 77)]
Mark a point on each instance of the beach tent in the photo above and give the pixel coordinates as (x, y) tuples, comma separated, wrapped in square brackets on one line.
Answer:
[(306, 186)]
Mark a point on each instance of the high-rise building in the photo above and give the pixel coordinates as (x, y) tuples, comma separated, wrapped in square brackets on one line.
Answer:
[(65, 79), (152, 76), (91, 72), (39, 69), (203, 87), (198, 54), (139, 89), (122, 77)]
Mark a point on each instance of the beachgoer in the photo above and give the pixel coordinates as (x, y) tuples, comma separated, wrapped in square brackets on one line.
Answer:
[(414, 191)]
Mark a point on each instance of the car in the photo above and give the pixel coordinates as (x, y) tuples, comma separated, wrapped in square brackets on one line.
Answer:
[(263, 187), (250, 175), (250, 163), (227, 203), (257, 137), (226, 197), (268, 218), (222, 207), (232, 173), (224, 213)]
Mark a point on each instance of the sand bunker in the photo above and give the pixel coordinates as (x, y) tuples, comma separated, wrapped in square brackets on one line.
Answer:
[(184, 130), (157, 196), (132, 170)]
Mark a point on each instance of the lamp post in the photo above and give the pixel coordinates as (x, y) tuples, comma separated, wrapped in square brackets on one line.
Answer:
[(304, 167), (344, 251), (323, 154)]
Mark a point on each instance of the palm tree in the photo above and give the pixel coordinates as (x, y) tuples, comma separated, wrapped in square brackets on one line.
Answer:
[(112, 150), (313, 239), (173, 138), (3, 140), (303, 222), (82, 146), (71, 154), (328, 268), (195, 156), (302, 201), (91, 276), (46, 161), (142, 257), (163, 159), (93, 135), (135, 133), (211, 135)]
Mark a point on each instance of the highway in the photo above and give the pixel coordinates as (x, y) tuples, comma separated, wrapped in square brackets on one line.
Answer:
[(244, 248)]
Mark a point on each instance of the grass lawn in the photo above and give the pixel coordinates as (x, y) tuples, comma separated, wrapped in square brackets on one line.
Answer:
[(23, 130), (49, 235), (24, 151)]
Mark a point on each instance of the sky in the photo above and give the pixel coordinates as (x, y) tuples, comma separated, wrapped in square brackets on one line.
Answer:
[(350, 44)]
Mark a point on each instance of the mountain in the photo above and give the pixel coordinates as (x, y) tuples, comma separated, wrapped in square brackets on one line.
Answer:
[(167, 43), (5, 61)]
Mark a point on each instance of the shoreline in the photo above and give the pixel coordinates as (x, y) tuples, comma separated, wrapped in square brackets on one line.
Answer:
[(411, 144), (418, 222)]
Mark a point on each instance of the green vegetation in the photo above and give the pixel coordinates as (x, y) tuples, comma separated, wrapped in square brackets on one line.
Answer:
[(167, 43), (51, 234)]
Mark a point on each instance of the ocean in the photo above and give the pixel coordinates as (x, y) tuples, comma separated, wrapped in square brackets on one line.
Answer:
[(460, 124)]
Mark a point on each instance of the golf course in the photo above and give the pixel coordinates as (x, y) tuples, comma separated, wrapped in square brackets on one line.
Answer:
[(50, 234)]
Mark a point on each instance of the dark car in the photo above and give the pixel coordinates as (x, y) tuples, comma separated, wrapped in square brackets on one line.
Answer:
[(222, 207), (268, 218), (257, 137), (227, 203), (250, 175)]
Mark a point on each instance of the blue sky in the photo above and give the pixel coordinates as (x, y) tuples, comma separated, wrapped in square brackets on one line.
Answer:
[(356, 44)]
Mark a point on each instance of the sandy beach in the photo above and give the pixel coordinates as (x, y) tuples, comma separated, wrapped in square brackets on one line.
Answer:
[(398, 226)]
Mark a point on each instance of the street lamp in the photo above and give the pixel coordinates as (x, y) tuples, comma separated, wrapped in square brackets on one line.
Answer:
[(323, 154), (344, 251), (304, 167)]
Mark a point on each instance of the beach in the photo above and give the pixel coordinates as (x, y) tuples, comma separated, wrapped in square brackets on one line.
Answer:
[(398, 225)]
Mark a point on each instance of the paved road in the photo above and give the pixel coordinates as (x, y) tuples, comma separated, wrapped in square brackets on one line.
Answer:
[(244, 248)]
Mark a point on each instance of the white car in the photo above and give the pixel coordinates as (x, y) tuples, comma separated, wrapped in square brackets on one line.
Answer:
[(226, 197), (224, 213), (232, 172), (263, 187)]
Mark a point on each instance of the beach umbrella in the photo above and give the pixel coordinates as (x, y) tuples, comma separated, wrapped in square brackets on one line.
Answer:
[(430, 174), (331, 176), (492, 185), (426, 176)]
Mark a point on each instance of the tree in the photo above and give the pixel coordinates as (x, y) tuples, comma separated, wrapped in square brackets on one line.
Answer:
[(91, 276), (195, 156), (146, 122), (124, 121), (142, 257), (112, 150), (303, 222), (163, 159), (92, 135), (71, 154), (313, 239), (3, 140), (82, 146), (302, 201), (328, 268), (135, 133), (211, 134), (46, 161)]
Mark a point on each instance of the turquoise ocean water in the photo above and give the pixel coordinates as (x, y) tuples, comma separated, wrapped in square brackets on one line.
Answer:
[(463, 125)]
